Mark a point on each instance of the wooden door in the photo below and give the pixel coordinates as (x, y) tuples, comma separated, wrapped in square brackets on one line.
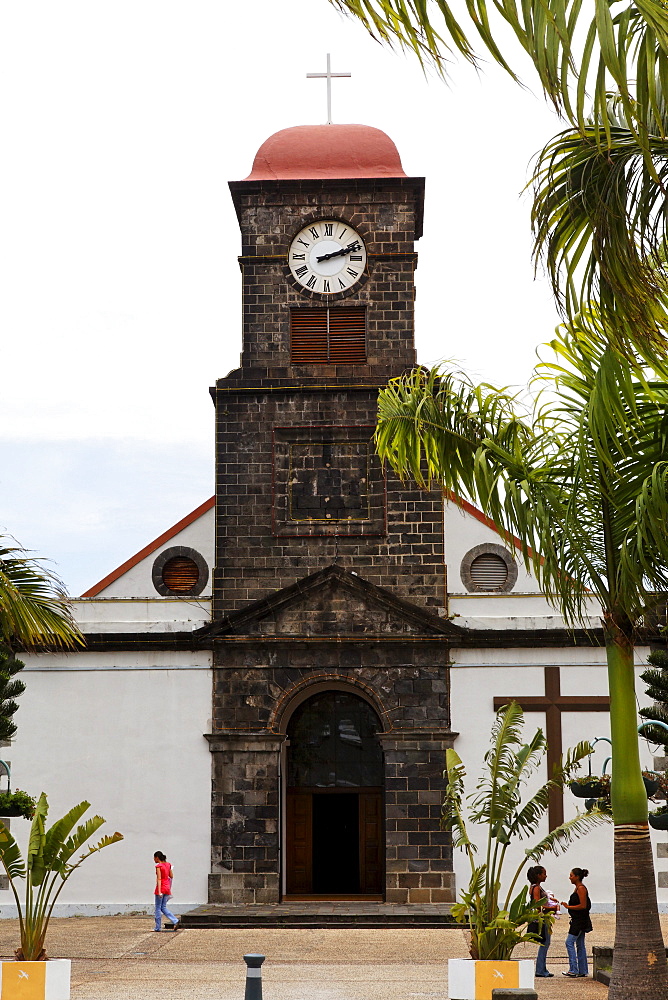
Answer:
[(371, 842), (299, 847)]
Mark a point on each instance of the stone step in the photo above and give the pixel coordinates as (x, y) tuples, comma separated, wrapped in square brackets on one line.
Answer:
[(320, 915)]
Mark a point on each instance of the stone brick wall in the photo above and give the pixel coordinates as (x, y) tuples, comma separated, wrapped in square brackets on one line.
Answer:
[(253, 555), (418, 853), (386, 213), (254, 560), (282, 436), (409, 684)]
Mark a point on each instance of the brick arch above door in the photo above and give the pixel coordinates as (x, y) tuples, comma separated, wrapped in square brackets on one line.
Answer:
[(317, 683)]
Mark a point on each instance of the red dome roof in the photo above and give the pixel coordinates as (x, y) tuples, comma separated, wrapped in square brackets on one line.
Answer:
[(318, 151)]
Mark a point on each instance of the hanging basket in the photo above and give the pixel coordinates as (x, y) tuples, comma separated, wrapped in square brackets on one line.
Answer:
[(590, 790), (659, 822), (651, 785), (7, 811)]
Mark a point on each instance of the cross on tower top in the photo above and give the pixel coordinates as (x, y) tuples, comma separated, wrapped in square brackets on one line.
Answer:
[(329, 77)]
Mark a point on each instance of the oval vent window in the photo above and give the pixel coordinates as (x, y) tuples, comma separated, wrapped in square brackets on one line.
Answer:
[(180, 574), (489, 572)]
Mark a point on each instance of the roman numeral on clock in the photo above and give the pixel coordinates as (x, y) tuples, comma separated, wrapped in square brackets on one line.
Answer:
[(329, 228), (314, 232), (350, 271), (304, 244), (326, 284), (357, 258), (301, 256), (301, 271), (311, 281)]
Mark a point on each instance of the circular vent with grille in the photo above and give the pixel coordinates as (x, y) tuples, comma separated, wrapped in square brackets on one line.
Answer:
[(489, 572), (180, 574), (180, 571)]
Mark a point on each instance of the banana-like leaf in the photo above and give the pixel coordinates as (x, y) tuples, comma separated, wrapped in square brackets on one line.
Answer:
[(36, 841), (452, 815), (82, 834), (55, 839), (10, 855), (48, 858)]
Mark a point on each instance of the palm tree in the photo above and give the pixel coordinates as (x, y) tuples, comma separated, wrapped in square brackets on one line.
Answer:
[(34, 607), (580, 477), (601, 70)]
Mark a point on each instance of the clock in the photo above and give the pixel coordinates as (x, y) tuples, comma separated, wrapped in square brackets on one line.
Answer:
[(327, 256)]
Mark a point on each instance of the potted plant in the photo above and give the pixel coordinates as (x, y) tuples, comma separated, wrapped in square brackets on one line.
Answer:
[(659, 818), (498, 919), (590, 786), (50, 861), (651, 781), (17, 803)]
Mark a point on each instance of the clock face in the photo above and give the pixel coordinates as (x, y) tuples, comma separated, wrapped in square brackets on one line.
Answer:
[(327, 256)]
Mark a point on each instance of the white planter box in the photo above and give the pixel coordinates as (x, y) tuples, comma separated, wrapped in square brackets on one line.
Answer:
[(469, 979), (35, 980)]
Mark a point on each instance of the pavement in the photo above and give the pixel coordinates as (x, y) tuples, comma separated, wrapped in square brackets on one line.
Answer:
[(122, 958)]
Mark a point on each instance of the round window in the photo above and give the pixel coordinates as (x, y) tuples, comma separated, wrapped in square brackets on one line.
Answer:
[(180, 572), (488, 568), (489, 572)]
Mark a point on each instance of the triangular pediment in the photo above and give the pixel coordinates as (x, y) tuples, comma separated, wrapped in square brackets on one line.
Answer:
[(333, 602)]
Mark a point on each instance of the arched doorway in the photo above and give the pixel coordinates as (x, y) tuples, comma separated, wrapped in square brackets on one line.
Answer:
[(334, 807)]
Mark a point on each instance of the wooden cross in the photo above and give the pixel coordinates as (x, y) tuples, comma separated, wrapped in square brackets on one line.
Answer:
[(553, 703), (329, 76)]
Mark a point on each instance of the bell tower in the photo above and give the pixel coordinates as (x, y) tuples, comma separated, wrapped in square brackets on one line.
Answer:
[(329, 578)]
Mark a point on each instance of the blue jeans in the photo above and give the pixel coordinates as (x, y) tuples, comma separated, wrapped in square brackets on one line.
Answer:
[(541, 957), (577, 954), (160, 908)]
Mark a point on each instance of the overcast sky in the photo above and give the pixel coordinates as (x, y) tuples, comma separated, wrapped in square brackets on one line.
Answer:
[(122, 124)]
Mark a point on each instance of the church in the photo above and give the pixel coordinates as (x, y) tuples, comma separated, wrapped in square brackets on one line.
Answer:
[(268, 688)]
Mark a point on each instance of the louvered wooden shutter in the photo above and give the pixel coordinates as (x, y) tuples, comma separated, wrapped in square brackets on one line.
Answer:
[(489, 572), (337, 336), (180, 574)]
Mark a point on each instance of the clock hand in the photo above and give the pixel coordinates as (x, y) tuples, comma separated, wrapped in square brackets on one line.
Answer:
[(340, 253)]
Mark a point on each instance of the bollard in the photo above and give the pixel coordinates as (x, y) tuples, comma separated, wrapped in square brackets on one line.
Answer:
[(253, 977)]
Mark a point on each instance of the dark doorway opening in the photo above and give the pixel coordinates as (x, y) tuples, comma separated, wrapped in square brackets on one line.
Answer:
[(334, 830), (336, 844)]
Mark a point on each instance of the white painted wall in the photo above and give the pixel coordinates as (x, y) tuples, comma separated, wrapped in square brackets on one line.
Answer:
[(478, 676), (522, 608), (138, 582), (124, 731), (141, 614)]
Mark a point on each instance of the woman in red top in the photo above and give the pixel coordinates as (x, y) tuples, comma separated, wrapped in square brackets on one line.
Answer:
[(163, 890)]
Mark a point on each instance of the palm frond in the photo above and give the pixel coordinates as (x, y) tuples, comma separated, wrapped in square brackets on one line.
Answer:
[(577, 52), (34, 607), (581, 482), (560, 839), (599, 222)]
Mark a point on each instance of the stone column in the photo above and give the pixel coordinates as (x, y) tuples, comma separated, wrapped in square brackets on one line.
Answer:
[(245, 797), (418, 853)]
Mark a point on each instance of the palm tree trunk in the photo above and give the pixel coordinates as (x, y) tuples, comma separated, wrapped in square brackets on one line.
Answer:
[(639, 970)]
